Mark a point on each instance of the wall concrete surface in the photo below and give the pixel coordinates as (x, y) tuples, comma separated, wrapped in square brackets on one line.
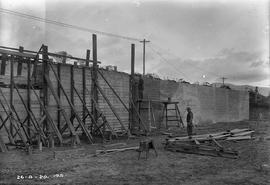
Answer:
[(208, 104)]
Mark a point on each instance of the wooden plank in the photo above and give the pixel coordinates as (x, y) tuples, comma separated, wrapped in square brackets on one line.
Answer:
[(243, 133), (8, 114), (94, 90), (100, 112), (10, 137), (239, 138), (59, 96), (3, 64), (72, 93), (115, 93), (19, 68), (98, 152), (89, 113), (87, 57), (14, 53), (11, 93), (237, 130), (31, 117), (28, 95), (71, 128), (132, 87), (89, 136), (48, 117), (45, 71), (112, 108)]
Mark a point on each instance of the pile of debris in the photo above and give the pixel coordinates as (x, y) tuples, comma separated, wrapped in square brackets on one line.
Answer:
[(207, 144)]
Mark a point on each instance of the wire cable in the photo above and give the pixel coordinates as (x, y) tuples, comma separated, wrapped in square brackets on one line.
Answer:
[(170, 64), (19, 14), (199, 68)]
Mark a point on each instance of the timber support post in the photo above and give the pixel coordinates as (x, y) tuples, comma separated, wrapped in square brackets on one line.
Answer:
[(45, 71), (94, 90), (19, 67), (131, 85), (28, 95), (72, 93), (59, 96), (11, 93)]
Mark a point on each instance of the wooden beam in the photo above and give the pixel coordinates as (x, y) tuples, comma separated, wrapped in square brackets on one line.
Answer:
[(11, 92), (19, 67), (59, 96), (94, 90), (114, 92), (6, 50), (70, 104), (3, 64), (10, 137), (100, 112), (71, 128), (31, 116), (83, 93), (28, 95), (87, 57), (112, 108), (86, 109), (45, 71), (9, 115), (48, 117), (72, 93), (131, 87), (14, 53)]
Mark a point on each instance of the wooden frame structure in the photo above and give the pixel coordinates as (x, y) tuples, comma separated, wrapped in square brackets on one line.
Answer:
[(44, 83)]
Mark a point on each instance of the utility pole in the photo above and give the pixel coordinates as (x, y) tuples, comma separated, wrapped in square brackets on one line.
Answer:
[(144, 41), (223, 80)]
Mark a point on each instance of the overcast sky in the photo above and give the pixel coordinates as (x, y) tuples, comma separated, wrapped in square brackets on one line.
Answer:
[(194, 40)]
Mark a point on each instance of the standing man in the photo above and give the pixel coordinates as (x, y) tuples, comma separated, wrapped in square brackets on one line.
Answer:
[(189, 122)]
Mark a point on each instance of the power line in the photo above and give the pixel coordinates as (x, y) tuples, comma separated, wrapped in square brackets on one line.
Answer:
[(199, 68), (170, 64), (19, 14)]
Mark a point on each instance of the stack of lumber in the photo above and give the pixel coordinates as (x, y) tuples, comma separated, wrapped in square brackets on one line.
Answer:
[(196, 144), (230, 135), (191, 147)]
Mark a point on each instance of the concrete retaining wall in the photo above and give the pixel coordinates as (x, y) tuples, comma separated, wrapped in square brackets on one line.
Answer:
[(208, 104)]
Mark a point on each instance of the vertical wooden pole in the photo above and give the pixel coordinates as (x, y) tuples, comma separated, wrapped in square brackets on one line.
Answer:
[(64, 60), (131, 122), (11, 92), (83, 93), (28, 95), (45, 70), (84, 82), (72, 92), (19, 68), (87, 57), (94, 77), (3, 64), (59, 96)]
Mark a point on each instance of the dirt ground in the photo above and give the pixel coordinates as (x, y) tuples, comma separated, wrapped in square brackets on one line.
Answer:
[(252, 166)]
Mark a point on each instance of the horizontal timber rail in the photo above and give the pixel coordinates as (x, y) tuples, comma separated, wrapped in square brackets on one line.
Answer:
[(34, 52)]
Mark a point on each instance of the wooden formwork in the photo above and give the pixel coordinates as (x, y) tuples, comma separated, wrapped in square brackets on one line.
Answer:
[(48, 102)]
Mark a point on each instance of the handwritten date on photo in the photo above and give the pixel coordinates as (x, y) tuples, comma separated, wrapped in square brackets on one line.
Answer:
[(41, 177)]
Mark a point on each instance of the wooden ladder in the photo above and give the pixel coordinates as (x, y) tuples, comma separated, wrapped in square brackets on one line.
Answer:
[(175, 117)]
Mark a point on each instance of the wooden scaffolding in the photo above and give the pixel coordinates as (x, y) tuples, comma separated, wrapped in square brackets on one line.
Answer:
[(34, 121)]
